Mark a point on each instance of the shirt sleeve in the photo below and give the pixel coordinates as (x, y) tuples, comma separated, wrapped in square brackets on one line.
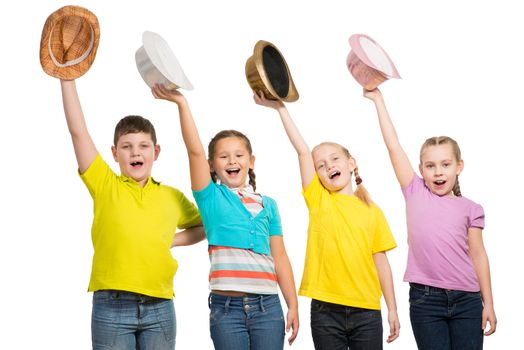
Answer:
[(383, 239), (96, 176), (189, 215), (313, 192), (413, 186), (275, 225), (476, 217)]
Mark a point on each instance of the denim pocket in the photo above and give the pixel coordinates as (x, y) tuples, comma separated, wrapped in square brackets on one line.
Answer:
[(416, 296)]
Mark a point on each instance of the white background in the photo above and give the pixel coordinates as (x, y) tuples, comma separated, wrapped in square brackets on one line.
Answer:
[(461, 64)]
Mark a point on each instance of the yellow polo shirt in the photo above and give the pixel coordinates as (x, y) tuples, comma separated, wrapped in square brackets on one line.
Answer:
[(343, 235), (132, 231)]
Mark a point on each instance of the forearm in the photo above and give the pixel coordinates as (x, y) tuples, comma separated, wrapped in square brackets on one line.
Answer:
[(189, 236), (72, 108), (189, 131), (286, 282), (386, 280), (85, 150), (293, 134), (481, 264)]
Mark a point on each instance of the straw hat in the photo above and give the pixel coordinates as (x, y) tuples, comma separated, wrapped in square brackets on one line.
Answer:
[(157, 64), (69, 42), (369, 64), (268, 72)]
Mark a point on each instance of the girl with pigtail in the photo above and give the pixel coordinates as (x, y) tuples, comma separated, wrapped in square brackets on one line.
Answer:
[(346, 268), (246, 248), (448, 270)]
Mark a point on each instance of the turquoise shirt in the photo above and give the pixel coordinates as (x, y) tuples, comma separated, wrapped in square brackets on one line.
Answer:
[(228, 223)]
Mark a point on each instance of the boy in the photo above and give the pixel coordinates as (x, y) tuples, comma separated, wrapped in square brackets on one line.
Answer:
[(134, 225)]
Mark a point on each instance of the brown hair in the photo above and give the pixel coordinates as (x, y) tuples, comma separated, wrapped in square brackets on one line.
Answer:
[(360, 192), (442, 140), (134, 124), (225, 134)]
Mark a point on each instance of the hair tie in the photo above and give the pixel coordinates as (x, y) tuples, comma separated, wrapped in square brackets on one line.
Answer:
[(358, 180)]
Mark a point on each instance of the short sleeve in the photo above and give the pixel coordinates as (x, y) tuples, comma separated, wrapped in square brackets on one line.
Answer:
[(313, 192), (275, 224), (205, 192), (476, 218), (414, 186), (383, 239), (189, 215), (97, 175)]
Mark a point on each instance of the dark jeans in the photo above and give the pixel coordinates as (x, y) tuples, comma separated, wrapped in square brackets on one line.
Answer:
[(253, 322), (444, 319), (340, 327)]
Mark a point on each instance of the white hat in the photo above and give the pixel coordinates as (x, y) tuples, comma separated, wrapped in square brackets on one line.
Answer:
[(158, 65)]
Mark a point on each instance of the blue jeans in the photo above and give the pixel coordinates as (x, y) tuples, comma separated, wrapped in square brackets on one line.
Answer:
[(124, 320), (254, 322), (444, 319), (339, 327)]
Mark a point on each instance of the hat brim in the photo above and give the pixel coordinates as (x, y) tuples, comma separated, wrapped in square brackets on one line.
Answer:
[(82, 51), (386, 67), (267, 71), (157, 63)]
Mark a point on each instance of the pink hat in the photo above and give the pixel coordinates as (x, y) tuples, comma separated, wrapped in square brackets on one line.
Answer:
[(369, 64)]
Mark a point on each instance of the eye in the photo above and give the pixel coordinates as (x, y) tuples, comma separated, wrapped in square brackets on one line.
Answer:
[(429, 166), (445, 165), (223, 157), (320, 166)]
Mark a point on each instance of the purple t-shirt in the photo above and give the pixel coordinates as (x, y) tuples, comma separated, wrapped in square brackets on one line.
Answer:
[(438, 238)]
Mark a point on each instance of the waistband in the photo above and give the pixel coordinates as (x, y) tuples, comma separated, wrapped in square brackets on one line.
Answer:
[(431, 289), (124, 295)]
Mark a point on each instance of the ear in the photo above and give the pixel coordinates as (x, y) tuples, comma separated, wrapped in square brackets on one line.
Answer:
[(157, 151), (460, 167), (252, 163), (420, 168), (210, 162), (352, 164), (113, 150)]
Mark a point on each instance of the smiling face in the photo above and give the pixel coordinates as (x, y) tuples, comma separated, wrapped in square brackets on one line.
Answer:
[(231, 161), (334, 167), (135, 154), (440, 168)]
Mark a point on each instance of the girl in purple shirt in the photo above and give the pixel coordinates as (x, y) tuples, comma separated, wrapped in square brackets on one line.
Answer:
[(448, 270)]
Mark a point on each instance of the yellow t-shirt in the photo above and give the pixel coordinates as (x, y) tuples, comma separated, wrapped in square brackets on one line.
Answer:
[(132, 231), (343, 235)]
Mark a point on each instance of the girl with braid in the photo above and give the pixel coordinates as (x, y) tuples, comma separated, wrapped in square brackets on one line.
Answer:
[(246, 249), (346, 269), (448, 270)]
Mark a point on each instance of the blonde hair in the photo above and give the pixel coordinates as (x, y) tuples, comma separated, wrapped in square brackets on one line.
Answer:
[(360, 192), (443, 140)]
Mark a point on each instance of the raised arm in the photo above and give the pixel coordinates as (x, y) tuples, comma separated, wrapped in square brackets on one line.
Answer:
[(401, 164), (198, 165), (305, 160), (83, 145)]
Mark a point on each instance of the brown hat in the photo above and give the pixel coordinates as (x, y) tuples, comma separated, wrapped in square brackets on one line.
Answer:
[(69, 42), (268, 72)]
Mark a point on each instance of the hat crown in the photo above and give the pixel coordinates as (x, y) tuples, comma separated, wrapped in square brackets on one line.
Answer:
[(70, 39)]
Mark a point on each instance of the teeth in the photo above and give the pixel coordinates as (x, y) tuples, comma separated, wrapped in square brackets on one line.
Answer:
[(334, 174)]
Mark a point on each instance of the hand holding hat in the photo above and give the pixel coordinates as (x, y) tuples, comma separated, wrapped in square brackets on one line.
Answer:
[(267, 71), (69, 42)]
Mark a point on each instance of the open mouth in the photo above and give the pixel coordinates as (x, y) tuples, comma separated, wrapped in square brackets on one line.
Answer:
[(137, 164), (233, 171), (334, 174), (439, 182)]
